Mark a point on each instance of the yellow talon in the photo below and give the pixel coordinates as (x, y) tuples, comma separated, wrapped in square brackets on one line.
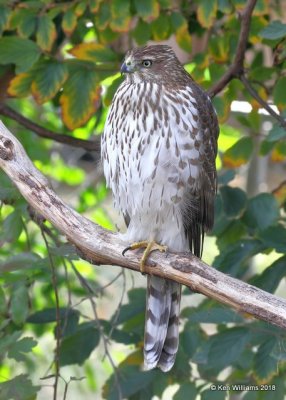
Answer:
[(149, 247)]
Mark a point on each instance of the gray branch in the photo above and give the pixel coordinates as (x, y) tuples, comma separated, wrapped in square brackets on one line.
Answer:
[(102, 247)]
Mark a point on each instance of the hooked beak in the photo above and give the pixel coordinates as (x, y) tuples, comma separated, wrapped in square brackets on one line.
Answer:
[(123, 68), (126, 69)]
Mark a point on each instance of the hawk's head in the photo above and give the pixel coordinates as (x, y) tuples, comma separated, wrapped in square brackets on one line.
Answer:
[(152, 63)]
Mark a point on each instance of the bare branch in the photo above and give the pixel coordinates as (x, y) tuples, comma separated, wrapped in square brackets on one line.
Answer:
[(102, 247), (236, 68), (58, 326), (91, 145), (262, 102)]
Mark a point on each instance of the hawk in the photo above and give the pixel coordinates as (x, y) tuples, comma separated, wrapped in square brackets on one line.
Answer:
[(158, 150)]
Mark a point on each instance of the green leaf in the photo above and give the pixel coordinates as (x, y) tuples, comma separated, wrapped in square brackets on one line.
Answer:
[(224, 177), (120, 336), (261, 211), (6, 342), (69, 323), (19, 304), (271, 276), (148, 10), (275, 30), (212, 315), (80, 8), (121, 17), (227, 346), (235, 256), (279, 352), (142, 32), (103, 16), (161, 27), (190, 338), (8, 194), (94, 52), (278, 388), (187, 390), (69, 22), (165, 4), (135, 306), (265, 365), (222, 106), (209, 394), (80, 98), (76, 348), (110, 92), (5, 12), (132, 380), (266, 147), (206, 12), (219, 48), (19, 349), (21, 52), (225, 6), (46, 33), (20, 261), (279, 94), (18, 388), (94, 5), (50, 315), (48, 80), (24, 20), (274, 237), (180, 27), (239, 153), (276, 133), (279, 151), (3, 304), (233, 200), (234, 231), (20, 86), (262, 73), (11, 227)]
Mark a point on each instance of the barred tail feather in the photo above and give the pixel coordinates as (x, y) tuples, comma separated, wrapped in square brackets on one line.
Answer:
[(162, 323)]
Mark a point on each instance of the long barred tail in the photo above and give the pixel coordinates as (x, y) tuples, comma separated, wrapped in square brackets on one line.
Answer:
[(162, 323)]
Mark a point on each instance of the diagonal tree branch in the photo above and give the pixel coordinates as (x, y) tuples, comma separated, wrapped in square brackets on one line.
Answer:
[(262, 102), (236, 68), (48, 134), (102, 247)]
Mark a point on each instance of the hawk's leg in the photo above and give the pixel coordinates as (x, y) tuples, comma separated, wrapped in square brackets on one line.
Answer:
[(149, 247)]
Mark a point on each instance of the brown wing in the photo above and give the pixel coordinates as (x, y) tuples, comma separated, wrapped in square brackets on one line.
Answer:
[(199, 219)]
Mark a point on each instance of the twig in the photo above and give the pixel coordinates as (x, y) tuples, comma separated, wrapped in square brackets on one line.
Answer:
[(102, 288), (66, 390), (264, 104), (103, 247), (58, 329), (91, 145), (236, 68), (114, 320), (85, 284)]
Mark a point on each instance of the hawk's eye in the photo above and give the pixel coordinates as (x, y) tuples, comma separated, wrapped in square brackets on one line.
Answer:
[(146, 63)]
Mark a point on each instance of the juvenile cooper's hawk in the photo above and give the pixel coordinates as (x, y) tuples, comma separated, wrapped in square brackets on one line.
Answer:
[(158, 150)]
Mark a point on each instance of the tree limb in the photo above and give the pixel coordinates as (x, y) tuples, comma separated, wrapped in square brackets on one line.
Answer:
[(262, 102), (90, 145), (236, 68), (101, 247)]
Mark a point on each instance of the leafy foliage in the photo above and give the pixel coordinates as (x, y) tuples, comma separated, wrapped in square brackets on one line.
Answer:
[(59, 64)]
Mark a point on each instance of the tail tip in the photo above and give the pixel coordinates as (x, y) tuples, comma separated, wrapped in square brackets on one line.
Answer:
[(163, 366)]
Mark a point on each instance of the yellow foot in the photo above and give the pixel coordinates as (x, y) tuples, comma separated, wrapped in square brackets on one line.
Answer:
[(149, 247)]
